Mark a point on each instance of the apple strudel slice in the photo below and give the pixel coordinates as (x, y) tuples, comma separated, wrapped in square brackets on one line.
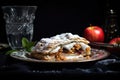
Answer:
[(65, 46)]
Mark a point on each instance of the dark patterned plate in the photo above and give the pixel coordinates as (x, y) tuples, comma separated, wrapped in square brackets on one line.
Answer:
[(97, 54)]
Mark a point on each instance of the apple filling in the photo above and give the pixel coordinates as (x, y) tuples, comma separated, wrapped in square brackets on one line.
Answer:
[(65, 46)]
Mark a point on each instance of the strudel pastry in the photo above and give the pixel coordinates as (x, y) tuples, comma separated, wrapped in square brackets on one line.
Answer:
[(65, 46)]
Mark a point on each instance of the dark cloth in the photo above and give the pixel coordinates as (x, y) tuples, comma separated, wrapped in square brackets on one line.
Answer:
[(102, 69), (109, 65)]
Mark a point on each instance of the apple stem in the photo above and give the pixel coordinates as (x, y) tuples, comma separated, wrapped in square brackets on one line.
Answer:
[(90, 25)]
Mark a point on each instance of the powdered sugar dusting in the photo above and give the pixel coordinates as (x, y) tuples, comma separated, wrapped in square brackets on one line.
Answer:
[(47, 44)]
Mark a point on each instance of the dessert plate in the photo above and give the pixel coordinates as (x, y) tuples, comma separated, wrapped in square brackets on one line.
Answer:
[(97, 54)]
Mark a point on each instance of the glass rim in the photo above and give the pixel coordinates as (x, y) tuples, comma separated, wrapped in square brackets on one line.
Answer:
[(19, 6)]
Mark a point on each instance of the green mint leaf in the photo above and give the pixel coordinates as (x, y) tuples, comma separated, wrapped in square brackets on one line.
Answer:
[(10, 51), (25, 42), (27, 45)]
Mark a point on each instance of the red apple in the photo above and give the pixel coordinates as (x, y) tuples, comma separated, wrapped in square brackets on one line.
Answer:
[(94, 34), (116, 43)]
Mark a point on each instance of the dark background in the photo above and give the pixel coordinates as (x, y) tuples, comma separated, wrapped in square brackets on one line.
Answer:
[(54, 17)]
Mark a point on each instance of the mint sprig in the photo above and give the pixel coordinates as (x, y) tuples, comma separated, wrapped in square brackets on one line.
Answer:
[(26, 44)]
